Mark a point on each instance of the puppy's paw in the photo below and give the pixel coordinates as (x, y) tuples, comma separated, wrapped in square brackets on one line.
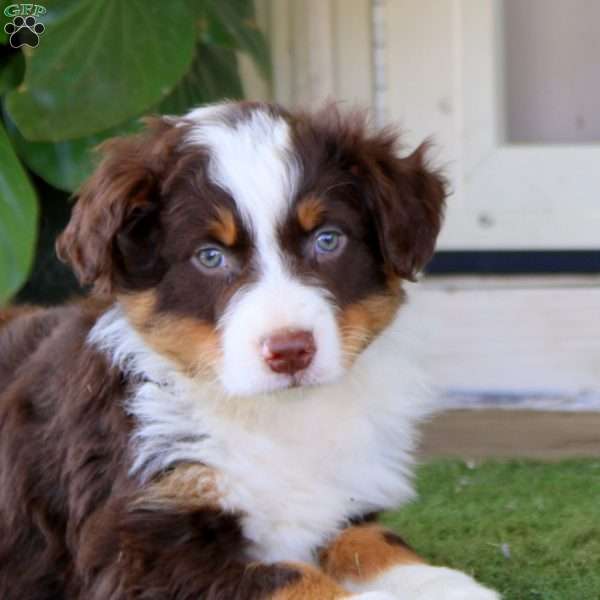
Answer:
[(372, 596), (424, 582), (448, 584)]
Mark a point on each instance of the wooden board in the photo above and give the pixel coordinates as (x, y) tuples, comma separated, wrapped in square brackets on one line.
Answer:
[(535, 337), (321, 51), (476, 435)]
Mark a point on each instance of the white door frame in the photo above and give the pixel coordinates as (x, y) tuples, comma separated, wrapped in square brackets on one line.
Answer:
[(445, 80)]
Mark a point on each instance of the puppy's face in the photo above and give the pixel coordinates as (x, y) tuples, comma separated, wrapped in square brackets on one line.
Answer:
[(260, 248)]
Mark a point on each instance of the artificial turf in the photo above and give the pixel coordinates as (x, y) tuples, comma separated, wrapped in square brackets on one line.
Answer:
[(528, 529)]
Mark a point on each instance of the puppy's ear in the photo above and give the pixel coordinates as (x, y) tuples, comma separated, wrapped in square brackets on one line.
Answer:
[(112, 240), (408, 201)]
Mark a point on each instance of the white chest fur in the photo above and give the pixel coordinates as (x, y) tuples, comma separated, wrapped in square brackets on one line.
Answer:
[(297, 464)]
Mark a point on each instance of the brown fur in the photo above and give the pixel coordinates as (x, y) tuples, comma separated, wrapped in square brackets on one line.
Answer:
[(122, 190), (363, 552), (72, 522), (13, 312), (63, 441), (405, 196)]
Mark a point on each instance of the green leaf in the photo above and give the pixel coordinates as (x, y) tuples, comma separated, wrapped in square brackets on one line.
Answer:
[(242, 9), (197, 8), (65, 165), (3, 20), (12, 68), (18, 221), (233, 24), (99, 64), (213, 76)]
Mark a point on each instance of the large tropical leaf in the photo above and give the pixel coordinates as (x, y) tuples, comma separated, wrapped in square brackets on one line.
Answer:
[(18, 221), (12, 68), (99, 64), (213, 76), (232, 24), (3, 20), (65, 165)]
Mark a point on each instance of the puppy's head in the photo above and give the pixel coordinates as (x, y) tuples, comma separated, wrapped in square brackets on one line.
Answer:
[(261, 247)]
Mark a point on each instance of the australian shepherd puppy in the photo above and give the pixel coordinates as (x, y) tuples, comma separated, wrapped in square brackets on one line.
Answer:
[(227, 413)]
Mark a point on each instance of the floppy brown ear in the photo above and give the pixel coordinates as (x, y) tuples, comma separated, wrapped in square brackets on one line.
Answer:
[(113, 223), (408, 204)]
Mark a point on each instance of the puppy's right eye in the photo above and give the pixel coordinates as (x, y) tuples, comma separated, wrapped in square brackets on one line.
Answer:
[(210, 258), (327, 241)]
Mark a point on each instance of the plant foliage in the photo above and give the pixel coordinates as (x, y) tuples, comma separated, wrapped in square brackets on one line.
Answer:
[(99, 67)]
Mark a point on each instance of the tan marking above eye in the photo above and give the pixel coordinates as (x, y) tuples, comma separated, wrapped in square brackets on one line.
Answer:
[(223, 227), (310, 213)]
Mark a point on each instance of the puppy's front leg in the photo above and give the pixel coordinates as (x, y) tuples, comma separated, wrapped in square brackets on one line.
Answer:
[(177, 552), (172, 541), (368, 557)]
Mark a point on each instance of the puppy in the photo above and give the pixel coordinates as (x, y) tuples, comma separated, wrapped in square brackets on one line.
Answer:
[(227, 413)]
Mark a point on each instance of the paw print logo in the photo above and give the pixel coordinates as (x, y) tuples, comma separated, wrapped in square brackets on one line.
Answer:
[(24, 32)]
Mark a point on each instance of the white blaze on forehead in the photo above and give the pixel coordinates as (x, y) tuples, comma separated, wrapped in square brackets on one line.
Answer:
[(209, 111), (251, 157), (252, 160)]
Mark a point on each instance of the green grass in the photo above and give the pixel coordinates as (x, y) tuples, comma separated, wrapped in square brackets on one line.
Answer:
[(530, 530)]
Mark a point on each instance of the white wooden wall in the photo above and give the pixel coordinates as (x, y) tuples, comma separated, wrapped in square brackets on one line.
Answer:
[(435, 68), (520, 342)]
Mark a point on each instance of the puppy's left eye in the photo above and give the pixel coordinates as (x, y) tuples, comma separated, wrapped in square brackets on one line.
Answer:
[(210, 258), (329, 242)]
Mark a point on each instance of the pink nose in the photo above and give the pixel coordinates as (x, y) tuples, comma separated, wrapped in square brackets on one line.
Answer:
[(289, 351)]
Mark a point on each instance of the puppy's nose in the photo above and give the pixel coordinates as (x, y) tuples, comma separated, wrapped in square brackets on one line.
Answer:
[(289, 351)]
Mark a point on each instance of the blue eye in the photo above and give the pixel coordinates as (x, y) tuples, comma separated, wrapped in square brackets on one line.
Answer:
[(328, 241), (210, 257)]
